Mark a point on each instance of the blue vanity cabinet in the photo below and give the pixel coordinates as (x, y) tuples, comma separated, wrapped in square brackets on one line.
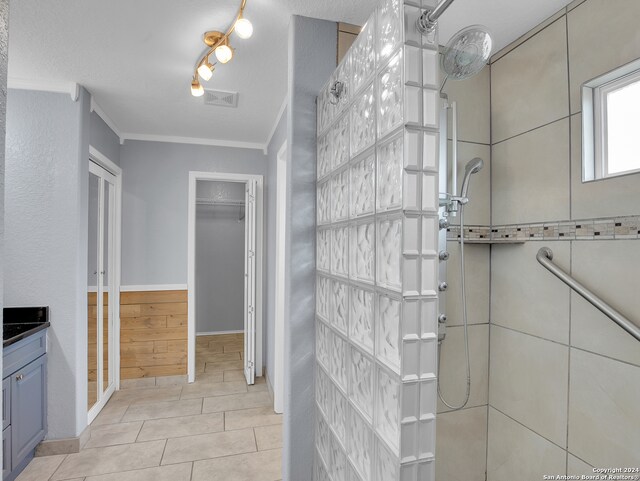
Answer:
[(28, 409), (24, 393)]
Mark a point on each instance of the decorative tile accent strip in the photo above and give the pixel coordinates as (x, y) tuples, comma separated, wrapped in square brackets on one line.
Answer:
[(614, 228)]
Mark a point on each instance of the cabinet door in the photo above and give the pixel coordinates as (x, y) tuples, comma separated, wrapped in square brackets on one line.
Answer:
[(28, 408), (6, 452), (6, 403)]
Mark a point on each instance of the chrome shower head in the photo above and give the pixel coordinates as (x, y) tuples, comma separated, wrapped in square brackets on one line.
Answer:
[(473, 167), (467, 52)]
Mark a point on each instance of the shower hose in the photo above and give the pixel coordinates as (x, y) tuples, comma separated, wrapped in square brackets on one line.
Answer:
[(464, 323)]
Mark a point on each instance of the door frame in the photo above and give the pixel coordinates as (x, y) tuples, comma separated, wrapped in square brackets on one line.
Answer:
[(103, 161), (280, 296), (194, 177)]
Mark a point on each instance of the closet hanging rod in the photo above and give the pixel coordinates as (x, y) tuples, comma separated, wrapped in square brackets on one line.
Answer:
[(232, 203)]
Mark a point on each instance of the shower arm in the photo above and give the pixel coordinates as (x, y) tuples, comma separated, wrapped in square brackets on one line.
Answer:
[(429, 19)]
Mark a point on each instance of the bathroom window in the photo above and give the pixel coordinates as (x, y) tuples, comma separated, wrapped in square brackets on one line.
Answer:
[(611, 124)]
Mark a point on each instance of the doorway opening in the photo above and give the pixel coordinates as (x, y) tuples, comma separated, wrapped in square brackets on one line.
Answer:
[(225, 255), (103, 282)]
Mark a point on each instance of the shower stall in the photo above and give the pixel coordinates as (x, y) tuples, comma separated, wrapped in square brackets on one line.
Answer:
[(444, 350)]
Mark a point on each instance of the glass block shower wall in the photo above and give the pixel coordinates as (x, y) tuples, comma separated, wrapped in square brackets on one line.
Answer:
[(377, 216)]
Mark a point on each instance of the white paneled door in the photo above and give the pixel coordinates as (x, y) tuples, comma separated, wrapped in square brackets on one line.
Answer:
[(102, 294), (250, 282)]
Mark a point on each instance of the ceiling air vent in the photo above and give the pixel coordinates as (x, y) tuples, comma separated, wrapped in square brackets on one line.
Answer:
[(220, 98)]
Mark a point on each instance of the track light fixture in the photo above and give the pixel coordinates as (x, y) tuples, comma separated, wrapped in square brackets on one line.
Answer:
[(218, 44)]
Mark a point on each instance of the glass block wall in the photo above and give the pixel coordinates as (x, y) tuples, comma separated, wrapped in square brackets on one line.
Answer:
[(377, 260)]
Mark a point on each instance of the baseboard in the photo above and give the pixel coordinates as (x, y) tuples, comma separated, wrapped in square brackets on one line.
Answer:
[(218, 333), (53, 447)]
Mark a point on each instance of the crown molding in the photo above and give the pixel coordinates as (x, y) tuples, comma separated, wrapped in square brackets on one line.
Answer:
[(283, 109), (107, 120), (55, 86), (193, 141)]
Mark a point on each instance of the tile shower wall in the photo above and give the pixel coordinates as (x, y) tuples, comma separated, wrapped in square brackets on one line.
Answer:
[(564, 379), (461, 436), (377, 257)]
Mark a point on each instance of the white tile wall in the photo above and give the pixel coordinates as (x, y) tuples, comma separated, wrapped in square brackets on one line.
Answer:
[(376, 258)]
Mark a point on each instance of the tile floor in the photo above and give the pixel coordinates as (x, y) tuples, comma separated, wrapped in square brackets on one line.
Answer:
[(217, 429)]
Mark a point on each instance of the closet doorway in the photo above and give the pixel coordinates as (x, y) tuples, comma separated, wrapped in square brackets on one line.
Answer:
[(102, 282), (225, 276)]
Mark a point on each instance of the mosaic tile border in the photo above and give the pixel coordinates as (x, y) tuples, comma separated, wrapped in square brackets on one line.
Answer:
[(609, 228)]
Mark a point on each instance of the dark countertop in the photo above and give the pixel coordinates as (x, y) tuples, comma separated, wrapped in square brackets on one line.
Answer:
[(14, 332), (21, 322)]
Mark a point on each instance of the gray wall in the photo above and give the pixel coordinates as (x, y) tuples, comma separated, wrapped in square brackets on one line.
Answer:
[(154, 203), (279, 137), (220, 262), (104, 139), (312, 59), (46, 237), (4, 24)]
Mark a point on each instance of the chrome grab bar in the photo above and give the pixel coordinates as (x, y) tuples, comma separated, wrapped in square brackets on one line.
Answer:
[(545, 257)]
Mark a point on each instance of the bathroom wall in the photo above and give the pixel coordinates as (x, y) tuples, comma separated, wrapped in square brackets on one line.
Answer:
[(47, 151), (564, 379), (4, 37), (104, 139), (461, 436), (154, 203), (220, 259), (376, 260), (312, 56)]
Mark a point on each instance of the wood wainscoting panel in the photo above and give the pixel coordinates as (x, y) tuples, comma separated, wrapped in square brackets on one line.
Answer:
[(153, 334)]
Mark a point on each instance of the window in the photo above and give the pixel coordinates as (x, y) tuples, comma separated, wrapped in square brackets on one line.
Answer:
[(611, 124)]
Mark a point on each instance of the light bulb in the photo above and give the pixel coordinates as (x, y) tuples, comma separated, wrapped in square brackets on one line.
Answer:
[(243, 28), (205, 71), (224, 53), (197, 90)]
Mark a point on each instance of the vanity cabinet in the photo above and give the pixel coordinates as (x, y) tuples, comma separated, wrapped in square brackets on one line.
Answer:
[(24, 408)]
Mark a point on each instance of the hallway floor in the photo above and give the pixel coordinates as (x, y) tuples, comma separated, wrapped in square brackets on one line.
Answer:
[(216, 429)]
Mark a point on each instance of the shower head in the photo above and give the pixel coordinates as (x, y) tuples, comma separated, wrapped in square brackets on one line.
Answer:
[(467, 52), (473, 167)]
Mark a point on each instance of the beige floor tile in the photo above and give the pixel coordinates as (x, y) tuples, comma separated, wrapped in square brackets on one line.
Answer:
[(113, 434), (112, 459), (112, 413), (207, 446), (262, 466), (144, 382), (258, 387), (269, 437), (249, 418), (171, 380), (163, 410), (146, 396), (235, 375), (41, 468), (212, 389), (182, 426), (223, 366), (219, 357), (236, 401), (203, 377), (174, 472)]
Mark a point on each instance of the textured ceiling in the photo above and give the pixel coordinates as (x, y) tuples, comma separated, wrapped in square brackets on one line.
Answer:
[(136, 57)]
